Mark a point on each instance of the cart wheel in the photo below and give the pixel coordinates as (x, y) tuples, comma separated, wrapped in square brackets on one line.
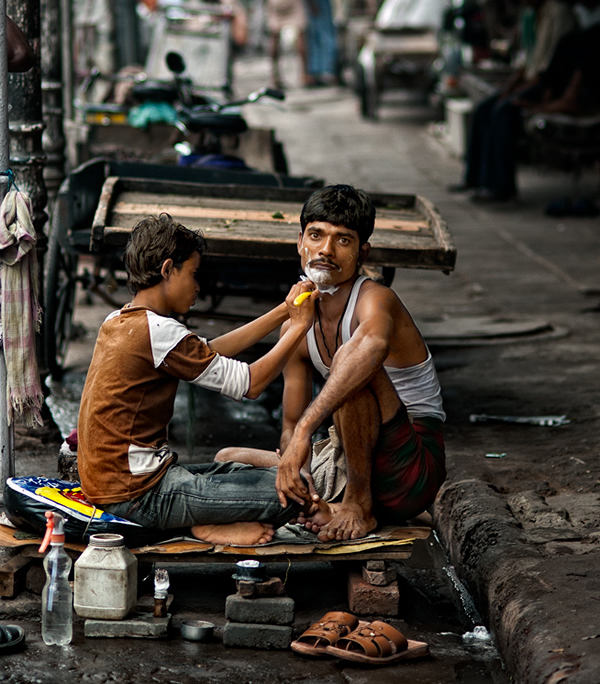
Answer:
[(61, 282), (367, 93)]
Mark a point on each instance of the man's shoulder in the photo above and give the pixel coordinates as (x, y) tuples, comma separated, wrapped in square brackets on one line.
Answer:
[(374, 292)]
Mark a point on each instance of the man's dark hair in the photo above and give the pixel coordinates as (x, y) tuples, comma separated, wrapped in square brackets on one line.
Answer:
[(341, 205), (154, 240)]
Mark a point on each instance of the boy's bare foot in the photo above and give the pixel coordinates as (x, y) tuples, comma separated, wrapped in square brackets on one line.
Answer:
[(239, 533), (348, 521)]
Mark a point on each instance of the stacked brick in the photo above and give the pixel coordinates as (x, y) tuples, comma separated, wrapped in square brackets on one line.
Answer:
[(259, 616), (375, 592)]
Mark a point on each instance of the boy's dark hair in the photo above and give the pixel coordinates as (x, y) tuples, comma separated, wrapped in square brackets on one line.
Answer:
[(341, 205), (154, 240)]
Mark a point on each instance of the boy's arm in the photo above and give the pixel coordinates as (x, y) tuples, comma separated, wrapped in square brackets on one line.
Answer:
[(268, 367), (355, 363), (236, 341)]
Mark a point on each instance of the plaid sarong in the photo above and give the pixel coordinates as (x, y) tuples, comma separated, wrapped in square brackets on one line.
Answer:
[(409, 467), (20, 312)]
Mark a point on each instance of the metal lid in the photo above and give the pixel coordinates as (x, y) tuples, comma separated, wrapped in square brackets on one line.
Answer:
[(106, 540)]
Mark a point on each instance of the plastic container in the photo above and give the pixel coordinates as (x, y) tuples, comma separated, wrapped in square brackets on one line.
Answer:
[(105, 579), (57, 597)]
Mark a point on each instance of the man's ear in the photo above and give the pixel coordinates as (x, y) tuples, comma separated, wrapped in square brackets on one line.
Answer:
[(363, 253), (300, 236), (166, 269)]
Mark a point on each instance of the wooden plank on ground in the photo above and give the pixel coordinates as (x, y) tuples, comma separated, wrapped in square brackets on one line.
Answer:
[(12, 576)]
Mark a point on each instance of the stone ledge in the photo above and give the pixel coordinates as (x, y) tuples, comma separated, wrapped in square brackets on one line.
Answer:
[(527, 599)]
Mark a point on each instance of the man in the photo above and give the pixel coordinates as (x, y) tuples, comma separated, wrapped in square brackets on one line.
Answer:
[(381, 387), (491, 159), (282, 14)]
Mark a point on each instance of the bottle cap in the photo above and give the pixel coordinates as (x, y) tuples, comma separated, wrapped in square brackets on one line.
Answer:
[(55, 533)]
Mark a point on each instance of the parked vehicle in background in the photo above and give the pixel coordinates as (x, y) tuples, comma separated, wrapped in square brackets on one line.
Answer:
[(399, 51)]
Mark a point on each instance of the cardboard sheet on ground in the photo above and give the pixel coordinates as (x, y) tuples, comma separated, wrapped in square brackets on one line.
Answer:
[(290, 540)]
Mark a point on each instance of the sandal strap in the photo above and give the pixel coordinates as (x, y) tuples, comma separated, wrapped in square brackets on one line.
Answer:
[(331, 626), (377, 639), (339, 616), (399, 641), (350, 642)]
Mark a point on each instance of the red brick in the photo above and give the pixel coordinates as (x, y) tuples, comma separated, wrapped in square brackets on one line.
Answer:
[(367, 599), (380, 578)]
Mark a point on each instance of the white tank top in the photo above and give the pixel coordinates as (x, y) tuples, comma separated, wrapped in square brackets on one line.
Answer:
[(417, 386)]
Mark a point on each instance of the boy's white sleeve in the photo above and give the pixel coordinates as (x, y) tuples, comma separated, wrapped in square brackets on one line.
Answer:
[(227, 376)]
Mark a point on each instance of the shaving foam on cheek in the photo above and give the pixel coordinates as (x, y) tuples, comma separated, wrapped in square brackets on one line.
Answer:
[(320, 278)]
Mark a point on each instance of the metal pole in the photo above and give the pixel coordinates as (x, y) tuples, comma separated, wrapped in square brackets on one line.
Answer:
[(53, 138), (7, 442), (27, 155), (66, 30)]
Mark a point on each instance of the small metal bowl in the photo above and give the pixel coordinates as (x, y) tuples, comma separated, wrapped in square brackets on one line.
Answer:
[(197, 630)]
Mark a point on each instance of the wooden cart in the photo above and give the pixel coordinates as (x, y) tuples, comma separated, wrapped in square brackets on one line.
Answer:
[(251, 230), (252, 224)]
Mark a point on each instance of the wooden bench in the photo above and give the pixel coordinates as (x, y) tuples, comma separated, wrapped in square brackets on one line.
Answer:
[(388, 545)]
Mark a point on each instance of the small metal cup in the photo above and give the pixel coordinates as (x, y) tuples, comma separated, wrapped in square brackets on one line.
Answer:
[(250, 571), (197, 630)]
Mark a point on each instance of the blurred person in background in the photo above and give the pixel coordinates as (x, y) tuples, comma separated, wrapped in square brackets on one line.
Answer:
[(282, 14), (490, 169), (321, 39)]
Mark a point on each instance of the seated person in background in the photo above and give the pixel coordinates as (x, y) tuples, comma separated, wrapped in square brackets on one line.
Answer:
[(490, 169), (124, 459), (381, 386), (20, 56), (570, 83)]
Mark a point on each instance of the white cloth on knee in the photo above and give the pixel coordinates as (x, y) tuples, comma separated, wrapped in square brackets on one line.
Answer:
[(328, 466)]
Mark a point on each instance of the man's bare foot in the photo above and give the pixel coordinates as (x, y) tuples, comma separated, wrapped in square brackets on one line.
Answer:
[(239, 533), (318, 513), (347, 521)]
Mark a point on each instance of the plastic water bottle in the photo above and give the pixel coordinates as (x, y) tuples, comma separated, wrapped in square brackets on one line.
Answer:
[(57, 597)]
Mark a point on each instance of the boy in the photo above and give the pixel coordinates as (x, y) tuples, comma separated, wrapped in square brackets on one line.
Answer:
[(124, 459), (381, 386)]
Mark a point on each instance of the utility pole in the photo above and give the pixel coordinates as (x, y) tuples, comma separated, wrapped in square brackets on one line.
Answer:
[(53, 138), (7, 444), (26, 126)]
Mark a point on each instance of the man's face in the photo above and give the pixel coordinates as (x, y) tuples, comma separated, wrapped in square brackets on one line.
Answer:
[(330, 254), (182, 285)]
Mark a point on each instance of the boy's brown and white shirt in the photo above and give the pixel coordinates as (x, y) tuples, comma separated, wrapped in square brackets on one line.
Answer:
[(128, 398)]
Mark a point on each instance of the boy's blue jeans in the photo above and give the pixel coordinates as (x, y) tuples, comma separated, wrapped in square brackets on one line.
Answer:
[(208, 493)]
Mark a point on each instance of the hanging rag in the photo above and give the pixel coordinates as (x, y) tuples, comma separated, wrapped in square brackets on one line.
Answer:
[(20, 312)]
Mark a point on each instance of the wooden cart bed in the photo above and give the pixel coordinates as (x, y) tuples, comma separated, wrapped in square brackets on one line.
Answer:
[(249, 222)]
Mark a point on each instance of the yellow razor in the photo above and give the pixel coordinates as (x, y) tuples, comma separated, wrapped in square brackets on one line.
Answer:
[(301, 297)]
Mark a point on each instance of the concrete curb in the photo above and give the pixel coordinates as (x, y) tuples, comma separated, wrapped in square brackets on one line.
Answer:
[(506, 575)]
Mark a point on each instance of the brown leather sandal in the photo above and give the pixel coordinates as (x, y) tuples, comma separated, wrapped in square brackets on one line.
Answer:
[(377, 643), (324, 633)]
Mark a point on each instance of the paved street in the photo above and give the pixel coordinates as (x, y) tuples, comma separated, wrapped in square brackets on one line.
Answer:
[(522, 529)]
